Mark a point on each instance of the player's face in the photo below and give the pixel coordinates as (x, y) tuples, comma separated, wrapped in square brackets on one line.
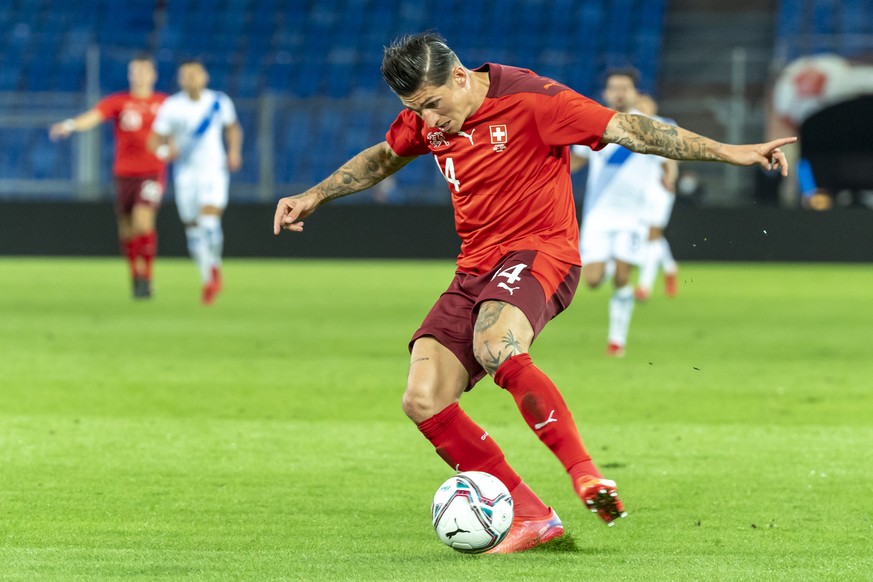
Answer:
[(444, 107), (192, 78), (620, 93), (141, 74)]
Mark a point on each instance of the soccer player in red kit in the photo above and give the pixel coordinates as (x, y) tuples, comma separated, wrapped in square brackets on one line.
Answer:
[(139, 176), (500, 137)]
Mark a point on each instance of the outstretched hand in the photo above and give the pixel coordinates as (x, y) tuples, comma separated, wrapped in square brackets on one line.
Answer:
[(767, 155), (290, 210), (61, 130)]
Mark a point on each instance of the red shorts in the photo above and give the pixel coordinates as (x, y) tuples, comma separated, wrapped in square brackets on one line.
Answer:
[(539, 285), (130, 192)]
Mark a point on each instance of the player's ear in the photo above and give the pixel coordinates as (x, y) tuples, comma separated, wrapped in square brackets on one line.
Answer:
[(460, 76)]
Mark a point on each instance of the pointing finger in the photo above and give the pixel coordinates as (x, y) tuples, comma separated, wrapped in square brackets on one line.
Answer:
[(281, 210)]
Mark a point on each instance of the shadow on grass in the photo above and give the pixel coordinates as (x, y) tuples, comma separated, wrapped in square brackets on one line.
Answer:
[(564, 544)]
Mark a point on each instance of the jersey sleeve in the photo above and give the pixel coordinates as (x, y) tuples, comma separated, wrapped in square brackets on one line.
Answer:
[(110, 106), (404, 135), (227, 110), (162, 124), (568, 118)]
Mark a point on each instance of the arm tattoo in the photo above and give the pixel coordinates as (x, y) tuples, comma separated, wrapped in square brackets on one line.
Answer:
[(645, 135), (366, 169)]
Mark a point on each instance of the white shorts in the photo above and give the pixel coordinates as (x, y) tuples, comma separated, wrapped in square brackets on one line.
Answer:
[(194, 190), (601, 245), (660, 206)]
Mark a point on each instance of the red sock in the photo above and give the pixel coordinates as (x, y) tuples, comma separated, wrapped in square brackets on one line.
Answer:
[(545, 411), (129, 250), (462, 444), (148, 248)]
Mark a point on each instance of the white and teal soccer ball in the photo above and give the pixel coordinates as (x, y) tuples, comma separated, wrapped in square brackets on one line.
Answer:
[(472, 512)]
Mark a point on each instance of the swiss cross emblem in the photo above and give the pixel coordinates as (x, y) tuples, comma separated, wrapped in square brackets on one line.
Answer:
[(498, 137)]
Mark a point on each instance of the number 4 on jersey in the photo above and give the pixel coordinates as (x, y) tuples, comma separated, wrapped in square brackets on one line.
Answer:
[(449, 173)]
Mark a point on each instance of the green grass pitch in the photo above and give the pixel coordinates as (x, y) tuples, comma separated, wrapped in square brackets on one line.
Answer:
[(262, 438)]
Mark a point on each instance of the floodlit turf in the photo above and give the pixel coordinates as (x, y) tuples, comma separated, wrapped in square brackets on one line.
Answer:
[(262, 438)]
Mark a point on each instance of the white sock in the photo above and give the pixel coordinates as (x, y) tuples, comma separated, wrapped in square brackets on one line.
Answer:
[(197, 247), (210, 225), (649, 270), (668, 263), (621, 307)]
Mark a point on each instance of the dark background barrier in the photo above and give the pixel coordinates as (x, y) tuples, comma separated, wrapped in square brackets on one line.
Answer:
[(838, 142), (373, 231)]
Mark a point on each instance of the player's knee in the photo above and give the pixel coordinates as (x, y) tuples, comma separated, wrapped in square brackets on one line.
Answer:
[(419, 402)]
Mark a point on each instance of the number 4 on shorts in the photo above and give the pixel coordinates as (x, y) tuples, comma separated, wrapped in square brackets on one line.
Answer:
[(512, 273)]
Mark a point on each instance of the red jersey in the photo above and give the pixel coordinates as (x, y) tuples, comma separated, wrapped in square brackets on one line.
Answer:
[(508, 168), (133, 119)]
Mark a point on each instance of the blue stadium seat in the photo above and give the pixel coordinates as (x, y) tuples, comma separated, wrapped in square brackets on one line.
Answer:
[(824, 16), (809, 26), (329, 49), (789, 19)]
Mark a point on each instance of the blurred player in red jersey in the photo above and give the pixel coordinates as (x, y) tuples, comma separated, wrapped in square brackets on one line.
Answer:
[(500, 137), (139, 176)]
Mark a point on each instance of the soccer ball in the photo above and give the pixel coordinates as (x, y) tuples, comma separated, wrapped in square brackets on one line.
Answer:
[(472, 512)]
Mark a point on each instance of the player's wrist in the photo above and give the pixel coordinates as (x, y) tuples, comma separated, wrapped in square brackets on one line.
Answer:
[(69, 125)]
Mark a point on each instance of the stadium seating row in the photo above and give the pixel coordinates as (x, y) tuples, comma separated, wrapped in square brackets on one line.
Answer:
[(259, 45), (304, 49), (812, 26)]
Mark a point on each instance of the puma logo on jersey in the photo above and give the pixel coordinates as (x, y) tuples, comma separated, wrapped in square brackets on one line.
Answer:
[(468, 135), (547, 85), (484, 436), (507, 287), (551, 418)]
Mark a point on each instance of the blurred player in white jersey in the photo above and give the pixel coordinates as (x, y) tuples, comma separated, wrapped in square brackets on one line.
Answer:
[(197, 129), (614, 215), (661, 196)]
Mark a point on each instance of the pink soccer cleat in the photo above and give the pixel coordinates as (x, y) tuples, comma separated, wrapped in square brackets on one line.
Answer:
[(600, 496), (527, 534)]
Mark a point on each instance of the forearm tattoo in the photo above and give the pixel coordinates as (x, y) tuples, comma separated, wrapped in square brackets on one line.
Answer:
[(366, 169), (645, 135)]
